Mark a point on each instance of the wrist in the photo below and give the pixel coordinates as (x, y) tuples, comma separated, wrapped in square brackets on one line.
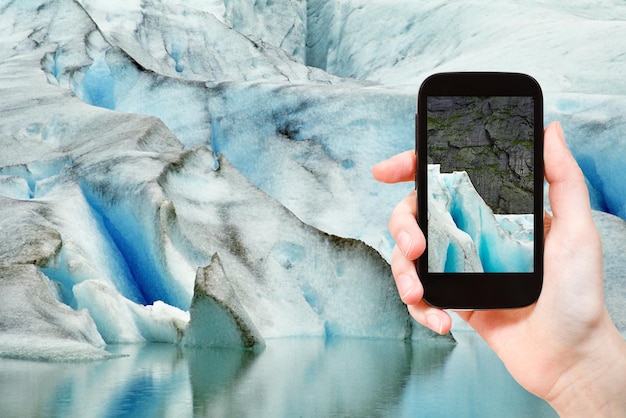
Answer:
[(596, 385)]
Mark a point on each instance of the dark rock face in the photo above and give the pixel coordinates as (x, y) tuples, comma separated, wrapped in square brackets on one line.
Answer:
[(492, 139)]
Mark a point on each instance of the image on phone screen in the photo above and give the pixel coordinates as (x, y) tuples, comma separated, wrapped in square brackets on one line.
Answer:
[(481, 171)]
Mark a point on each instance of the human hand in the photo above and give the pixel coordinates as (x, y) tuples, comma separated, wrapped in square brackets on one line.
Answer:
[(563, 348)]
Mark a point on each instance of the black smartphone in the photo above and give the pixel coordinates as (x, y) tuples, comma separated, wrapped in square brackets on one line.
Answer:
[(479, 181)]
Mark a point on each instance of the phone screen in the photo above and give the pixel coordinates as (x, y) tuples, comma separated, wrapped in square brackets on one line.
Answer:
[(479, 180), (480, 152)]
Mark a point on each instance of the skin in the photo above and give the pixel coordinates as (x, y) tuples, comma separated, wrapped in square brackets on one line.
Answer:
[(564, 348)]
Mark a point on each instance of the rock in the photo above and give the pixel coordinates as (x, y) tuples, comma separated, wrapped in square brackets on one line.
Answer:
[(478, 135)]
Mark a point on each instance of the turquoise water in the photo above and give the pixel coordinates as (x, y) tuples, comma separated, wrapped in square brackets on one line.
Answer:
[(290, 378)]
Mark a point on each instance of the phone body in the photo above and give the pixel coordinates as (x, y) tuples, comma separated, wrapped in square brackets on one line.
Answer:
[(479, 181)]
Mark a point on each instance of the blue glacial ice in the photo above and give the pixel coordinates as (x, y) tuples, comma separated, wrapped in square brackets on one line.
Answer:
[(466, 236), (141, 138)]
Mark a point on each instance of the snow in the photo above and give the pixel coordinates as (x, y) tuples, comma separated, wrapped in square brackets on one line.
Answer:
[(139, 138)]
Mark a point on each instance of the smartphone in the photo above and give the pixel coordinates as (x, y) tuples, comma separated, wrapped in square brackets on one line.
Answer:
[(479, 181)]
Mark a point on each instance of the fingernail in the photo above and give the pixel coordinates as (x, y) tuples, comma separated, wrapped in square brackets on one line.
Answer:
[(404, 242), (405, 285), (434, 323)]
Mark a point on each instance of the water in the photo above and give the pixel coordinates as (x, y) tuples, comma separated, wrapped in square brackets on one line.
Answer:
[(290, 378)]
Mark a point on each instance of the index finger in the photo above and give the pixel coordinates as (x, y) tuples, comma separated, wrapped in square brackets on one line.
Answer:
[(399, 168)]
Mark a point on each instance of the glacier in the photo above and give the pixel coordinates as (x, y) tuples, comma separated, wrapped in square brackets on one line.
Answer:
[(465, 235), (150, 147)]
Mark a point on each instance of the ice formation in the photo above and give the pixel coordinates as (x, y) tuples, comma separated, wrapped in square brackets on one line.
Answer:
[(141, 138), (219, 318), (466, 236)]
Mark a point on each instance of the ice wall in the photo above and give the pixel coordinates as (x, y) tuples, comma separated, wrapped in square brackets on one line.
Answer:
[(567, 48), (190, 136), (134, 213), (466, 236)]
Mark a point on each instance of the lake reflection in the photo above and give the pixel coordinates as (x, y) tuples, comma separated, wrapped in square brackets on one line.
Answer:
[(290, 378)]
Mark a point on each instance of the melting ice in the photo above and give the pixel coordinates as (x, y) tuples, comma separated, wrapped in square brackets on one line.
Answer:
[(151, 149), (466, 236)]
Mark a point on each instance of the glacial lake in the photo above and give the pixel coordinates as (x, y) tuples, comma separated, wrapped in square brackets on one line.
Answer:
[(289, 378)]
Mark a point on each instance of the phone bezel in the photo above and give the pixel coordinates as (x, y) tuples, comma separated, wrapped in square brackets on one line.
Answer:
[(480, 290)]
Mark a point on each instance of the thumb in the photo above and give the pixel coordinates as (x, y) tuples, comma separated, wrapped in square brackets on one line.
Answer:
[(569, 198)]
